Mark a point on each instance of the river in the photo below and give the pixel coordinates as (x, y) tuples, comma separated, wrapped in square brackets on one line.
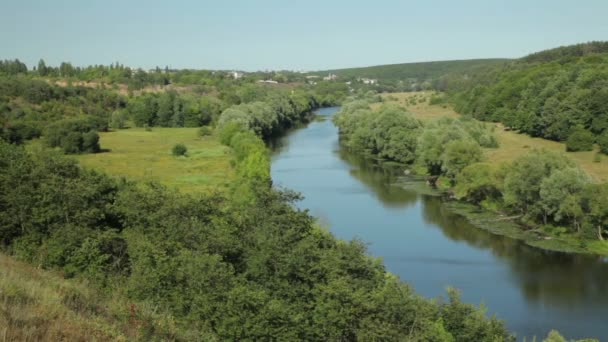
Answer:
[(431, 248)]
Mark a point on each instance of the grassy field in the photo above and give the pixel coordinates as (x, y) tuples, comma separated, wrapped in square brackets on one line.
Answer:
[(146, 155), (512, 144)]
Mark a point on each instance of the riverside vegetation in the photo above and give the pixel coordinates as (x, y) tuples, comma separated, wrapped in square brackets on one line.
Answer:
[(147, 262), (539, 189)]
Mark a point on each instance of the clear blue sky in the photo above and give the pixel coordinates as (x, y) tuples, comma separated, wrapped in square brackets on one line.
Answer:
[(290, 34)]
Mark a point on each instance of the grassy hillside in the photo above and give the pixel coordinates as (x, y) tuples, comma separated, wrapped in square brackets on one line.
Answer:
[(146, 155), (420, 71), (37, 305), (512, 144)]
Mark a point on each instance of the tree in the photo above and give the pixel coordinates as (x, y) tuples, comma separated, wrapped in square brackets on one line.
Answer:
[(602, 140), (118, 119), (90, 142), (478, 182), (580, 140), (524, 177), (459, 154), (72, 143), (595, 197), (42, 68), (560, 195)]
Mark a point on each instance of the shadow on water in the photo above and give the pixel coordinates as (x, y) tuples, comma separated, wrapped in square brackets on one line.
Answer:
[(544, 277), (430, 246), (379, 178)]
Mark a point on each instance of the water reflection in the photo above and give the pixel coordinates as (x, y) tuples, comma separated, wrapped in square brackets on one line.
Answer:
[(380, 179), (545, 277), (426, 244)]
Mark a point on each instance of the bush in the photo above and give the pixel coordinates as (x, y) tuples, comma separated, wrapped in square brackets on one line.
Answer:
[(580, 140), (90, 142), (118, 119), (205, 131), (228, 131), (179, 150), (72, 143), (602, 140)]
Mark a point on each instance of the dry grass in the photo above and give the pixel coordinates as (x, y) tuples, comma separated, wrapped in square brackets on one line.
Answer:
[(512, 144), (37, 305), (146, 155)]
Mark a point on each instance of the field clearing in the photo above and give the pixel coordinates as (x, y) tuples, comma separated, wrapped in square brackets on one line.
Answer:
[(144, 155), (512, 144)]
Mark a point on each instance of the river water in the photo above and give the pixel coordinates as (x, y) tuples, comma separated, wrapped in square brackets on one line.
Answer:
[(431, 248)]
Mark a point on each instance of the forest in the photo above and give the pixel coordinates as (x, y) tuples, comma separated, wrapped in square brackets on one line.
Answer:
[(558, 94)]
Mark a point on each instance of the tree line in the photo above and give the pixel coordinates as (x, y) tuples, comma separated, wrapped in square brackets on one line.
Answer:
[(70, 116), (542, 188), (558, 94)]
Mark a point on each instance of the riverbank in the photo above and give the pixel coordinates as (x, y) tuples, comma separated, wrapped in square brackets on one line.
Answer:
[(430, 247), (500, 223)]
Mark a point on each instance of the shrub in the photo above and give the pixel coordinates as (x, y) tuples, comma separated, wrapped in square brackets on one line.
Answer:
[(205, 131), (602, 140), (580, 140), (72, 143), (228, 131), (90, 142), (118, 119), (179, 150)]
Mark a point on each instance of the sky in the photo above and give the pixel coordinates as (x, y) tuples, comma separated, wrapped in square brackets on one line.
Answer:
[(290, 34)]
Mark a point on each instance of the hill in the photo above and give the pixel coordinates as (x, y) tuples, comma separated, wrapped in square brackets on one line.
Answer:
[(558, 94), (570, 51), (39, 305), (419, 71)]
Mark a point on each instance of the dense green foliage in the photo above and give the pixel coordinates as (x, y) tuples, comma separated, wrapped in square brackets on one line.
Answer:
[(542, 188), (225, 267), (409, 76), (579, 139), (73, 136), (553, 94), (31, 107), (443, 147), (276, 113)]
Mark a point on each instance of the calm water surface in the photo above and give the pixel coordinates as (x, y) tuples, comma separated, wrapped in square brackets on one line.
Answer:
[(431, 248)]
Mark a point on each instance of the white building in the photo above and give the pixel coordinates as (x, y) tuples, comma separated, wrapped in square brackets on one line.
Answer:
[(369, 81), (237, 74), (268, 81), (330, 77)]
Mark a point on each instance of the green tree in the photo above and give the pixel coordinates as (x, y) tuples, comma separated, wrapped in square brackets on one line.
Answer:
[(42, 68), (560, 196), (524, 176), (595, 197), (118, 119), (478, 182), (580, 140), (602, 140), (459, 154)]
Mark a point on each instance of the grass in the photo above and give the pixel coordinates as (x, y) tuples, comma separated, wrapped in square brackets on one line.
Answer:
[(146, 155), (38, 305), (512, 144)]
